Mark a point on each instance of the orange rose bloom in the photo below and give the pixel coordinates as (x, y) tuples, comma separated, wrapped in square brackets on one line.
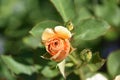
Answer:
[(57, 42)]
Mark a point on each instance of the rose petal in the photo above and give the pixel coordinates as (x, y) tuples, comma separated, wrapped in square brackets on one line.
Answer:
[(52, 48), (55, 56), (62, 54), (59, 56), (48, 33), (62, 32)]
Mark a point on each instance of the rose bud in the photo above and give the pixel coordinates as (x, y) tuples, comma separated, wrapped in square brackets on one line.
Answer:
[(57, 42)]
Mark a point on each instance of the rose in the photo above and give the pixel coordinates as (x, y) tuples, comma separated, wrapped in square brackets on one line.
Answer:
[(57, 42)]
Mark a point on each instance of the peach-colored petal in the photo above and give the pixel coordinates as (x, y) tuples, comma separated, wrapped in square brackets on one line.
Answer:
[(57, 42), (62, 32), (62, 53), (48, 33), (54, 45), (56, 56)]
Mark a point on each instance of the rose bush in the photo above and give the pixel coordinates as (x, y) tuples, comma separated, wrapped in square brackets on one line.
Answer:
[(57, 42)]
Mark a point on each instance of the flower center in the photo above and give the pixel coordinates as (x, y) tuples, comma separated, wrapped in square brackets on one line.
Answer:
[(56, 43)]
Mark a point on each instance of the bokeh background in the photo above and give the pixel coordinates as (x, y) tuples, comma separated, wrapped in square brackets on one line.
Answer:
[(17, 18)]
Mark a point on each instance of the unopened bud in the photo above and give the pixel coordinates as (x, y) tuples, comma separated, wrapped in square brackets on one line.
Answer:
[(69, 25), (86, 55)]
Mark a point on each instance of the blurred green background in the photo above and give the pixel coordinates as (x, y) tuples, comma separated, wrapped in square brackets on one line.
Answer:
[(17, 18)]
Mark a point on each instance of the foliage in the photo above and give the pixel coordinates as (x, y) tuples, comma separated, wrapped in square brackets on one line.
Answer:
[(94, 25), (113, 58)]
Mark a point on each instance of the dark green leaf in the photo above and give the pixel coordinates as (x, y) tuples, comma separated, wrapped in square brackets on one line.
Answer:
[(17, 67), (49, 72), (65, 8), (90, 29), (96, 63), (5, 72), (113, 63)]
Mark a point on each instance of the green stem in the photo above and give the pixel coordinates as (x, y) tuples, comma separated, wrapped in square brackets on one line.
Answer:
[(81, 75), (73, 59), (78, 63)]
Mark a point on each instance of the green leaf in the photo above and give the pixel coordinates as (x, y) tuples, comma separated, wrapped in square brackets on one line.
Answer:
[(17, 67), (111, 35), (96, 63), (65, 8), (80, 3), (82, 14), (40, 27), (5, 73), (90, 29), (61, 67), (93, 65), (109, 12), (32, 42), (49, 72), (113, 63)]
